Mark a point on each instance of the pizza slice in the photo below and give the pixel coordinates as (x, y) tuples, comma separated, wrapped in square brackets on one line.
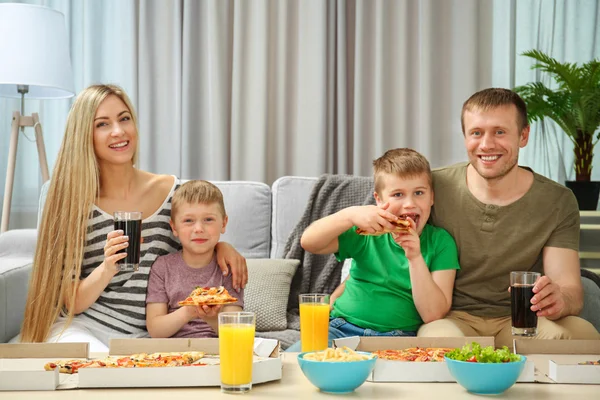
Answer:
[(589, 362), (438, 353), (72, 366), (396, 355), (208, 296), (168, 359), (401, 225)]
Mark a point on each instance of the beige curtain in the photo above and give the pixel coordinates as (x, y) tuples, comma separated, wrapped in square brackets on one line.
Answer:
[(258, 89), (254, 90)]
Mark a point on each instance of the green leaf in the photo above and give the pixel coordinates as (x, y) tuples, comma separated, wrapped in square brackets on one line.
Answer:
[(575, 103)]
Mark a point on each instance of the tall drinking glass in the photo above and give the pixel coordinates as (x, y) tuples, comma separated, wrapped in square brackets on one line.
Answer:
[(236, 349), (314, 321), (524, 321), (130, 222)]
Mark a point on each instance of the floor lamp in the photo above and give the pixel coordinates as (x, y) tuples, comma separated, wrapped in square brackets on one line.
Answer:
[(34, 50)]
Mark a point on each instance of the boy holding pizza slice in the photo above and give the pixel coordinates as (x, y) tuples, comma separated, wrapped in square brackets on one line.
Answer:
[(186, 289), (403, 269)]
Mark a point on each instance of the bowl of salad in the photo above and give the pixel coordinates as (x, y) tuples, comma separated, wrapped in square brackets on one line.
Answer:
[(485, 370)]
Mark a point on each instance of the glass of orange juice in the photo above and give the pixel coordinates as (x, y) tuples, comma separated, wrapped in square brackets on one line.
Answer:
[(314, 321), (236, 349)]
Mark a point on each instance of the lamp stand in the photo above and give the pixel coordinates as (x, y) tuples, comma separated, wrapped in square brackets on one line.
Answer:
[(21, 121)]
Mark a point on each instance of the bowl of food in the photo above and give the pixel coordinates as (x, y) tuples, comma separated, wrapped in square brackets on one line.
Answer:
[(485, 370), (339, 370)]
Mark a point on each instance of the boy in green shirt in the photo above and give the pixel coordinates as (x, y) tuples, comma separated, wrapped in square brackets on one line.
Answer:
[(398, 280)]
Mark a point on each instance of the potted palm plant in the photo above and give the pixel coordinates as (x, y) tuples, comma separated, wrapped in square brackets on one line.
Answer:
[(575, 107)]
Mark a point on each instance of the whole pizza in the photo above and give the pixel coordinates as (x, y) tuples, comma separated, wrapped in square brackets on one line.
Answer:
[(418, 354), (141, 360)]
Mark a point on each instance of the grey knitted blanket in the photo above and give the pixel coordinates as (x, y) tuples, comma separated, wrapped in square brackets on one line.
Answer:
[(322, 273), (319, 273)]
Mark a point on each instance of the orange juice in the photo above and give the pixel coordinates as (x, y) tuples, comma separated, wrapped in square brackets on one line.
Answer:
[(314, 326), (236, 346)]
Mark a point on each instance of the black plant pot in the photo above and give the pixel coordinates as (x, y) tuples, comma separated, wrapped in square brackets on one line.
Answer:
[(586, 193)]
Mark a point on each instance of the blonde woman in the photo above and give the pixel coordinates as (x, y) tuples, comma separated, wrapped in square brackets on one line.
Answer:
[(76, 293)]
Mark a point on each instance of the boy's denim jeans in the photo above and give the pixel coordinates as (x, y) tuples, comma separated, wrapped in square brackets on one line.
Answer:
[(339, 328)]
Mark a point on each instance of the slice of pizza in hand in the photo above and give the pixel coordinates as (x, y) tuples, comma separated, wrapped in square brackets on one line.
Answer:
[(401, 225), (208, 297)]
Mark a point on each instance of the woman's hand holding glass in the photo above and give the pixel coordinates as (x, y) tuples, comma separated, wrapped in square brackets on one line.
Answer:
[(115, 241)]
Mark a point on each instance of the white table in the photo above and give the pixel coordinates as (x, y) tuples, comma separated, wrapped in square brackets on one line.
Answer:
[(294, 385)]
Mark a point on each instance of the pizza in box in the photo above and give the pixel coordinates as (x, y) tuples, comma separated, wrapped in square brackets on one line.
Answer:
[(142, 360), (417, 354)]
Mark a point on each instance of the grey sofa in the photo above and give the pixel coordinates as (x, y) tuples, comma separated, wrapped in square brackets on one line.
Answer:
[(261, 219)]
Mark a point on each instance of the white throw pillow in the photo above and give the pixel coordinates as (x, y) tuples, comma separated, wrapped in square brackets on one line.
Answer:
[(268, 290)]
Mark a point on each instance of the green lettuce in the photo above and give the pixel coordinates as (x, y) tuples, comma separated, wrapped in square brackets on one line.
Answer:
[(475, 353)]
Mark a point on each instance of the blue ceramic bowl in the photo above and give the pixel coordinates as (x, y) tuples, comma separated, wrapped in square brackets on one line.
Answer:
[(486, 378), (336, 377)]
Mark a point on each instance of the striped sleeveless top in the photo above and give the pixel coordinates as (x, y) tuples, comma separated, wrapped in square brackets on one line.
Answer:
[(121, 308)]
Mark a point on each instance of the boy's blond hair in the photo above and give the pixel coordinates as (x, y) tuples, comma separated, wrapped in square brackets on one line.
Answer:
[(404, 163), (197, 192)]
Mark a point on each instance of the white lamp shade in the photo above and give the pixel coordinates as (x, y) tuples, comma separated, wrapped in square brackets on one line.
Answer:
[(34, 51)]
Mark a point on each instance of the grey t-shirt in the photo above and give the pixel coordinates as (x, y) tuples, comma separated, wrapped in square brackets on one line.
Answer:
[(172, 280), (494, 240)]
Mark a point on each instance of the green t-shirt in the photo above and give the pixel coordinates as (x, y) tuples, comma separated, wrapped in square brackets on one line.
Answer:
[(378, 293), (494, 240)]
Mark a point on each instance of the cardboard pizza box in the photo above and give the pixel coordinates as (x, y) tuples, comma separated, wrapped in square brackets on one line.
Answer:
[(22, 364), (393, 371), (267, 365), (557, 361)]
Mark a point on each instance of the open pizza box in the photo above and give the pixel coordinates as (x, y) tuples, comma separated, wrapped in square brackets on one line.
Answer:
[(22, 364), (398, 371), (267, 365), (557, 361)]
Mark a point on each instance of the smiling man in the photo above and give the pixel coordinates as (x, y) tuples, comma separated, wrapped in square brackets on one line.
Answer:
[(507, 218)]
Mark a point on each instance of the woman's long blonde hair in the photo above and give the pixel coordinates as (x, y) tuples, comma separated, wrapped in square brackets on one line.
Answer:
[(74, 188)]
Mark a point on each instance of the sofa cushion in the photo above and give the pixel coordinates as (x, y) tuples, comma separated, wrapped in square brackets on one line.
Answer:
[(14, 280), (248, 206), (267, 292), (290, 196), (591, 301)]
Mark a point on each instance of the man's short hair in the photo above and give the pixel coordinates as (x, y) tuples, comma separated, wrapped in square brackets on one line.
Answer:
[(197, 192), (405, 163), (491, 98)]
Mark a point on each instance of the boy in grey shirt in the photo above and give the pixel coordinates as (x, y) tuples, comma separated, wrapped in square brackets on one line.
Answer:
[(198, 219)]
